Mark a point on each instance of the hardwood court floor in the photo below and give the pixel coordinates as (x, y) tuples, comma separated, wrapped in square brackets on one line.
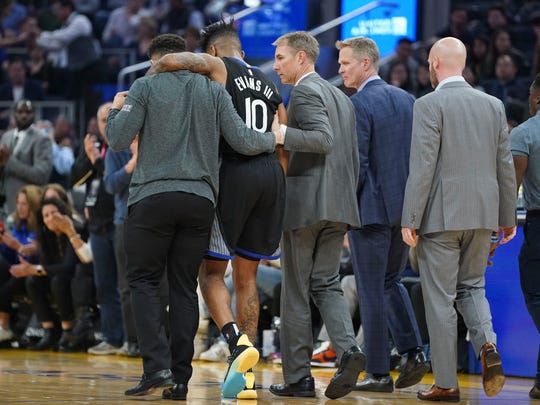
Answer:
[(56, 378)]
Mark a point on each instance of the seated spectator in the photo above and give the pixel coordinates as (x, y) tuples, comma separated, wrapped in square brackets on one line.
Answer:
[(477, 57), (423, 80), (399, 76), (180, 15), (507, 85), (82, 285), (403, 53), (41, 70), (18, 87), (18, 240), (121, 28), (501, 43), (60, 249), (62, 150), (458, 27)]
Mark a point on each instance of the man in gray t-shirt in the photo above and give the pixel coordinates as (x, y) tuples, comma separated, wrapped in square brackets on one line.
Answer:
[(179, 117), (525, 146)]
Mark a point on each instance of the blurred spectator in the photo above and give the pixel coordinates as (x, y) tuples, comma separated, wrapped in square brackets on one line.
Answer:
[(458, 28), (17, 88), (501, 43), (87, 7), (180, 15), (535, 21), (60, 249), (10, 22), (25, 156), (19, 240), (147, 30), (507, 85), (470, 77), (192, 36), (40, 69), (119, 167), (121, 28), (73, 50), (399, 76), (82, 284), (62, 150), (478, 59), (89, 169), (496, 19), (403, 53), (28, 31), (422, 78)]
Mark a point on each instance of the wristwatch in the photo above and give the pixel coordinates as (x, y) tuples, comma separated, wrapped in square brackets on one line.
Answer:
[(39, 270)]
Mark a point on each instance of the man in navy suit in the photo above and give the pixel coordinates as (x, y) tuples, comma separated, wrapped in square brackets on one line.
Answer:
[(383, 126)]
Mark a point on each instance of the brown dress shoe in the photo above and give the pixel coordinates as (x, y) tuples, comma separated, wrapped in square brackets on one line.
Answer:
[(492, 372), (439, 394)]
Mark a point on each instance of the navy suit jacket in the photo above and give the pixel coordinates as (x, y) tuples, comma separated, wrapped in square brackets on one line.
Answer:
[(383, 126)]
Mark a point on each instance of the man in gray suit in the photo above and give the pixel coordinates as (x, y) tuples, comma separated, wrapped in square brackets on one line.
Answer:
[(25, 156), (461, 187), (320, 207)]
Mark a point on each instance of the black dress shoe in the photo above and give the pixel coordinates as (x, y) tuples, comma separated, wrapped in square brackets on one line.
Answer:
[(413, 371), (352, 363), (303, 388), (376, 384), (176, 393), (150, 381)]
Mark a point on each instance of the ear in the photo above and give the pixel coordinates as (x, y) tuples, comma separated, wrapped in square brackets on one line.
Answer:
[(212, 50), (243, 54)]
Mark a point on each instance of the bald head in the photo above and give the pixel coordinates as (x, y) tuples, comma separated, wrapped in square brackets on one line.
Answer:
[(446, 58)]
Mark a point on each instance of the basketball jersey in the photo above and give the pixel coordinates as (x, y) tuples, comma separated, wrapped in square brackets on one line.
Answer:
[(254, 96)]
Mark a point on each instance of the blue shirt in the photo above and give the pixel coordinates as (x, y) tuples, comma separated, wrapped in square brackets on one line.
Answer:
[(117, 181)]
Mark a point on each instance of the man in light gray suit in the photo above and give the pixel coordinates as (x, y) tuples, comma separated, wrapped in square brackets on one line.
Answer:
[(25, 156), (461, 187), (320, 207)]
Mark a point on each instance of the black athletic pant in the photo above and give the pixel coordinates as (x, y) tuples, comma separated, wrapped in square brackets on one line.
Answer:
[(167, 232)]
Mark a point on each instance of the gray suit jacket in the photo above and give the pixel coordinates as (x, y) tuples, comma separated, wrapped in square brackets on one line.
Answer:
[(323, 163), (30, 164), (461, 172)]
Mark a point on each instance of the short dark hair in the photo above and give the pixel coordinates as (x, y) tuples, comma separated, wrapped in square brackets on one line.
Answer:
[(220, 29), (166, 43)]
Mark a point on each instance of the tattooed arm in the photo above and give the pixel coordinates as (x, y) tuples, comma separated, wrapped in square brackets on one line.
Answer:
[(202, 63)]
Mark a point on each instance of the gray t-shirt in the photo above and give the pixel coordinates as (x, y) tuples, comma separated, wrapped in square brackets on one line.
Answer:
[(525, 141), (179, 117)]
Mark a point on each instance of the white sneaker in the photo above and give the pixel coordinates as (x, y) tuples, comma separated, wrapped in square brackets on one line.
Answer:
[(105, 348), (219, 351), (6, 334), (199, 345)]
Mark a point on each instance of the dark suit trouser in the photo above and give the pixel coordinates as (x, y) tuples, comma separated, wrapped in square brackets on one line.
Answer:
[(379, 256), (167, 231), (452, 266), (311, 268), (529, 272)]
